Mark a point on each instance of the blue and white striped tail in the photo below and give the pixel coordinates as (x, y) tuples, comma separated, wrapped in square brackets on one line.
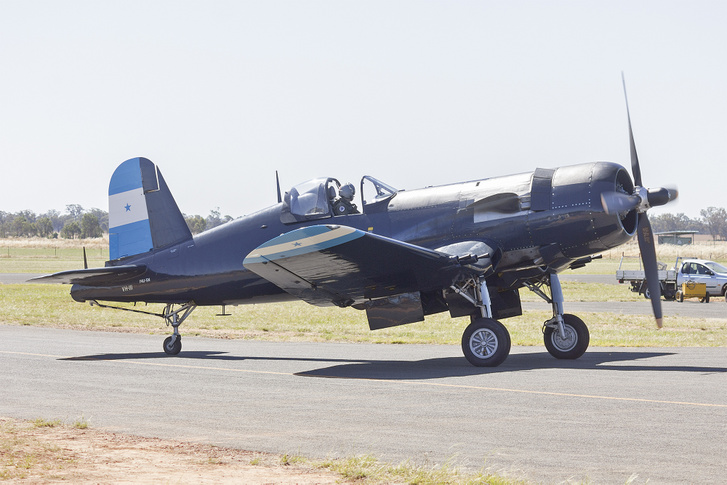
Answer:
[(142, 212), (129, 230)]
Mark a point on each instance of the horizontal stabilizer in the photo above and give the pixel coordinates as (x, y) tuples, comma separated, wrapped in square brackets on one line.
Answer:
[(108, 276)]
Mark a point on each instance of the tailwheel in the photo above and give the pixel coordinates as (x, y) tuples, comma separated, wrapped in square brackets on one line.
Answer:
[(173, 344), (174, 315), (572, 343), (486, 342)]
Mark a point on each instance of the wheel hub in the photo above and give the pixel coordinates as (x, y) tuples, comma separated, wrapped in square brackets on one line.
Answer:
[(567, 343), (483, 343)]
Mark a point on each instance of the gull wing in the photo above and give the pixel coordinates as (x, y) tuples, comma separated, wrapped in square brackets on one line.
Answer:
[(339, 265)]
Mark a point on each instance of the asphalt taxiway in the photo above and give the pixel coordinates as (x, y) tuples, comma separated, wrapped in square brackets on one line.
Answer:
[(614, 414)]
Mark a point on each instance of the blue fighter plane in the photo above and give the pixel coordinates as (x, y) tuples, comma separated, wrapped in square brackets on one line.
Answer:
[(398, 255)]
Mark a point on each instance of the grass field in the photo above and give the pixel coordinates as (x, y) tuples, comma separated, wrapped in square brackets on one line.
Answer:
[(51, 305), (50, 255)]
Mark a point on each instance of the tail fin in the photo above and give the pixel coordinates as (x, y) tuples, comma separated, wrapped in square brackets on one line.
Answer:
[(142, 212)]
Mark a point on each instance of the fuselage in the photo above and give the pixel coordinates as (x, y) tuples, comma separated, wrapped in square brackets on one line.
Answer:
[(546, 218)]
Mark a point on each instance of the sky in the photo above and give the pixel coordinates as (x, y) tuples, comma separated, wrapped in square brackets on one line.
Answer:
[(221, 94)]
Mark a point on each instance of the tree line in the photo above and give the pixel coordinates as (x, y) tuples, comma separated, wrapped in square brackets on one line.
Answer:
[(77, 222), (713, 221), (74, 223)]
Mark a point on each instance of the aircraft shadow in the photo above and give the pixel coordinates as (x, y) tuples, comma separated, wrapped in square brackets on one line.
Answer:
[(200, 354), (459, 367), (435, 368)]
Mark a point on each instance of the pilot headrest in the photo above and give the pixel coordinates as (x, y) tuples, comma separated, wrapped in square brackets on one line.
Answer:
[(347, 191)]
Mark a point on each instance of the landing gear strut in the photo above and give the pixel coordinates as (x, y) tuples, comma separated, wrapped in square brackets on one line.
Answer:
[(175, 317), (565, 335), (485, 341)]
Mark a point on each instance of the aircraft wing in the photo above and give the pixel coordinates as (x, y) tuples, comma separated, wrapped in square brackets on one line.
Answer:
[(93, 276), (339, 265)]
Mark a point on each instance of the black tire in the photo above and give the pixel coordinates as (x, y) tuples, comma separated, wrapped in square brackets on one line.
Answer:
[(576, 342), (680, 296), (704, 300), (172, 348), (486, 343)]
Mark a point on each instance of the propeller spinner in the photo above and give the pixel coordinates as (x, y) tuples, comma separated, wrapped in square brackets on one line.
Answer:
[(641, 200)]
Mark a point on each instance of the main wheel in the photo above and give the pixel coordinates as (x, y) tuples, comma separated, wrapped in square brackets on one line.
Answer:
[(575, 342), (486, 343), (172, 348)]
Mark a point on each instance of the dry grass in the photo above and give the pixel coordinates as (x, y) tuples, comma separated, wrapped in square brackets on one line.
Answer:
[(41, 256), (64, 453), (32, 453), (715, 251), (43, 242)]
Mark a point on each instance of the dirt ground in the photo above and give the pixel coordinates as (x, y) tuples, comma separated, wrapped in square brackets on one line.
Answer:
[(50, 452)]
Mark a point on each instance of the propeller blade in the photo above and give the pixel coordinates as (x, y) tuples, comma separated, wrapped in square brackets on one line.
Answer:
[(662, 196), (635, 168), (648, 257), (615, 202)]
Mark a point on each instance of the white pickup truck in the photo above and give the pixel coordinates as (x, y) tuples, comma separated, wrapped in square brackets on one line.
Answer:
[(714, 275)]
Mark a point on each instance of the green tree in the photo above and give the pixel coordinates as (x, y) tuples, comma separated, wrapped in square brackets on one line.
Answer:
[(196, 223), (75, 211), (678, 222), (90, 226), (715, 219), (55, 218), (21, 226), (5, 219), (216, 218), (44, 227), (103, 219), (71, 230)]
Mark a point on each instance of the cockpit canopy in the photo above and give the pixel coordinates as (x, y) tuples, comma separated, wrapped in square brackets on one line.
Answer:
[(317, 198)]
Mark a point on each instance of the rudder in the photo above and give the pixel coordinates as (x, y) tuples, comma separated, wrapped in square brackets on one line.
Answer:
[(142, 212)]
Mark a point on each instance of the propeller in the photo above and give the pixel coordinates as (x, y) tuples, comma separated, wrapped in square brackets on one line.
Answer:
[(641, 200)]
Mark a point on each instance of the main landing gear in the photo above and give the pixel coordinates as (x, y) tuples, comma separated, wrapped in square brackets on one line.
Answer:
[(486, 341), (565, 335), (175, 317)]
